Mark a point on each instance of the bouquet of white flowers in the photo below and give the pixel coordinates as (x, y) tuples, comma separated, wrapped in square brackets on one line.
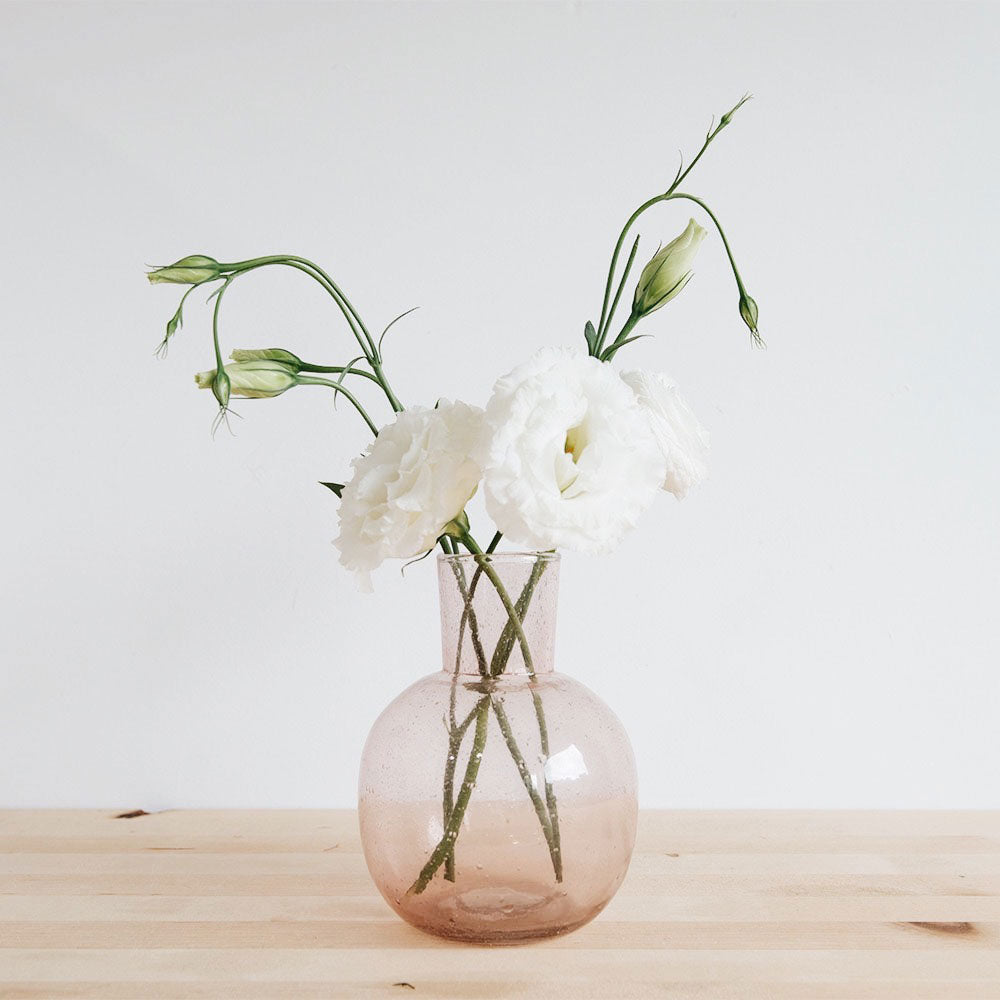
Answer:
[(569, 451)]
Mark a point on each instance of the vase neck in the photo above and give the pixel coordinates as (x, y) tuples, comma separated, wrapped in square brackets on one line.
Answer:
[(498, 613)]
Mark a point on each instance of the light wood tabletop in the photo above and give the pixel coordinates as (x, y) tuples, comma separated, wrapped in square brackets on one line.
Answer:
[(241, 904)]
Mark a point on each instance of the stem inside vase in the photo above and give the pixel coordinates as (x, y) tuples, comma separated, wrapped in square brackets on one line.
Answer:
[(512, 633)]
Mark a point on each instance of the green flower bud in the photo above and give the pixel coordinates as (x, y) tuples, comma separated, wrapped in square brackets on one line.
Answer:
[(253, 379), (748, 310), (269, 354), (728, 116), (220, 389), (187, 271), (668, 272)]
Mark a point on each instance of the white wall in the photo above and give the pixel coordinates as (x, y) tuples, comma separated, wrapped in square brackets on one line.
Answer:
[(816, 626)]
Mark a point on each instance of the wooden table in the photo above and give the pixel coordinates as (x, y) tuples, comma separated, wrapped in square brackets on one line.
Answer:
[(768, 905)]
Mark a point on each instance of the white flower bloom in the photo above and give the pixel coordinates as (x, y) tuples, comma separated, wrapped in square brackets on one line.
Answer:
[(571, 460), (416, 477), (683, 441)]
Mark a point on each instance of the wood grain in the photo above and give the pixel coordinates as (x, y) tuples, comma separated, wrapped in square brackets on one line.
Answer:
[(755, 905)]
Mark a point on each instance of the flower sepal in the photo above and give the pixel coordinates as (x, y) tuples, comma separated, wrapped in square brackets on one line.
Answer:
[(457, 528)]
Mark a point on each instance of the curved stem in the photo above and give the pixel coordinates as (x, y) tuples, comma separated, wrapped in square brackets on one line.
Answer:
[(718, 226), (339, 370), (375, 357), (606, 317), (354, 320), (161, 350), (215, 322), (670, 195), (346, 392), (606, 314), (306, 267), (343, 298)]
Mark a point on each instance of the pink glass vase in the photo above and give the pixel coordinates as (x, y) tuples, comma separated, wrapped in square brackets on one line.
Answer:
[(497, 797)]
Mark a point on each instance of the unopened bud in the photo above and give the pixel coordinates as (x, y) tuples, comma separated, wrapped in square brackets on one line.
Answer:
[(668, 272), (191, 270), (748, 310), (220, 388), (728, 116), (252, 379)]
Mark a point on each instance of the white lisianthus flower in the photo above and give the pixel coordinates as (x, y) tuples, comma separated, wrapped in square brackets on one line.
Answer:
[(683, 441), (414, 479), (570, 459)]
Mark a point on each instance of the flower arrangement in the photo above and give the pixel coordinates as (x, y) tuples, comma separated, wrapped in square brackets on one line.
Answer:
[(568, 451)]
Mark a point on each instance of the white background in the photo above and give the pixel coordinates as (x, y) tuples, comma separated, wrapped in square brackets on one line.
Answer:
[(815, 626)]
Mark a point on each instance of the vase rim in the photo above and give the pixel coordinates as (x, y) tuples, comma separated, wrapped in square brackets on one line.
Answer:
[(500, 557)]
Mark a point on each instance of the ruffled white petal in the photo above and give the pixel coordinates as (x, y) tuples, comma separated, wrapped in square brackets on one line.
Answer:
[(414, 479), (682, 439), (570, 459)]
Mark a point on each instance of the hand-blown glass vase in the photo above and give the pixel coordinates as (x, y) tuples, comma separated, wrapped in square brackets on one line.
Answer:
[(497, 797)]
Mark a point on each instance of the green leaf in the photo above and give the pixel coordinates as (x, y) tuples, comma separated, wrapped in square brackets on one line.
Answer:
[(611, 351), (392, 324), (337, 488), (590, 335)]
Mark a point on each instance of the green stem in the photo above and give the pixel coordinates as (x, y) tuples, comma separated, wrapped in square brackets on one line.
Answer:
[(220, 291), (543, 733), (549, 820), (447, 840), (468, 616), (161, 350), (608, 314), (544, 816), (346, 392), (507, 635), (514, 627), (621, 286), (306, 267), (512, 616), (609, 352), (718, 226), (455, 737), (670, 195), (338, 370), (354, 320)]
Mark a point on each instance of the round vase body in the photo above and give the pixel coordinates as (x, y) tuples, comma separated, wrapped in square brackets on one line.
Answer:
[(497, 797)]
